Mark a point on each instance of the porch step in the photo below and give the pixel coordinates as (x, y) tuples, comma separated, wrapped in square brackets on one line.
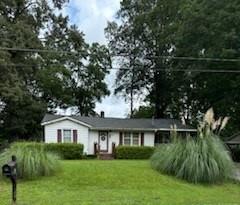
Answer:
[(105, 156)]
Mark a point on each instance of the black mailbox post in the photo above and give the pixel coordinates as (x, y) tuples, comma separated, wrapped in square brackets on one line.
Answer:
[(9, 170)]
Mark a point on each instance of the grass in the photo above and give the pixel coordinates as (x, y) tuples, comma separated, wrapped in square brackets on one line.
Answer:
[(116, 182)]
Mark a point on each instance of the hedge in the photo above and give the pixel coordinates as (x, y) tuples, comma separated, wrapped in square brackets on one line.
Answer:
[(134, 152), (66, 150)]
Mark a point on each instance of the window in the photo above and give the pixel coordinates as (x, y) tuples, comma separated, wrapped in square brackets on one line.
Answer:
[(127, 138), (162, 137), (131, 138), (135, 138), (66, 136)]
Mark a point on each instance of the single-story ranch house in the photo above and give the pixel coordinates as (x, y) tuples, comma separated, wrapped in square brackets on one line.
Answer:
[(104, 132)]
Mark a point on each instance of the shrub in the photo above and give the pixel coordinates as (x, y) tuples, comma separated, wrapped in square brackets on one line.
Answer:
[(131, 152), (32, 160), (66, 150), (203, 159)]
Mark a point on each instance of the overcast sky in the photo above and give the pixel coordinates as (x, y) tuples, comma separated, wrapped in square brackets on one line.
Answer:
[(91, 17)]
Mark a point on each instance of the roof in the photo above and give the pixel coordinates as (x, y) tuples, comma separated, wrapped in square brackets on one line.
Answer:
[(235, 139), (120, 123)]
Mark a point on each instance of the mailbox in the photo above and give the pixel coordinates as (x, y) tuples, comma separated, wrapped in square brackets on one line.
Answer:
[(10, 170), (6, 170)]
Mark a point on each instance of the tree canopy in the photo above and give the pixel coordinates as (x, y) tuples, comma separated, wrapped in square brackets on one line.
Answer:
[(59, 70), (151, 33)]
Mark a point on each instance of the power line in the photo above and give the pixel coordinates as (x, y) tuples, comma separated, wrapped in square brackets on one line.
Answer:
[(188, 58), (124, 68), (36, 50), (124, 55), (198, 59)]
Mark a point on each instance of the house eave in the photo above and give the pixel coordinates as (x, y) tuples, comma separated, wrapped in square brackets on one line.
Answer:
[(65, 118), (142, 129)]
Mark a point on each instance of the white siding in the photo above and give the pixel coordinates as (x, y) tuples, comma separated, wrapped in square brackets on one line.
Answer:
[(50, 132), (88, 137), (93, 137), (113, 136)]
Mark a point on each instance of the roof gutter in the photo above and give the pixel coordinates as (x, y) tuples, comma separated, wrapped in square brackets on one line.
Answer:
[(142, 129)]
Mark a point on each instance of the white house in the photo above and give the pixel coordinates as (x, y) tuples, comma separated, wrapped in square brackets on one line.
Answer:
[(104, 132)]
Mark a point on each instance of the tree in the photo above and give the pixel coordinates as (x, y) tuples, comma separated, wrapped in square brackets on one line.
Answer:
[(60, 71), (143, 112), (209, 30), (200, 29), (146, 30)]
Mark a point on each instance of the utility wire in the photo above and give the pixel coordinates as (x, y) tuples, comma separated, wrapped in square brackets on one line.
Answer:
[(36, 50), (123, 55), (125, 68)]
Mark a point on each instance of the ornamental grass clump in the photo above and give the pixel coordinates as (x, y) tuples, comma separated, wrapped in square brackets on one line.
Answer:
[(32, 160), (200, 159)]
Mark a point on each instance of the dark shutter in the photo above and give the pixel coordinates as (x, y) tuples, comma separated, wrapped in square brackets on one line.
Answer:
[(142, 139), (75, 136), (59, 136), (120, 138)]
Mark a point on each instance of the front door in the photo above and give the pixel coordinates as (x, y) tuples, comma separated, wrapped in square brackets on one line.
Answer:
[(103, 141)]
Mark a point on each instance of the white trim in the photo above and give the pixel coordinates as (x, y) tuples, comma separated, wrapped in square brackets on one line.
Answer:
[(142, 129), (71, 134), (66, 118), (131, 138)]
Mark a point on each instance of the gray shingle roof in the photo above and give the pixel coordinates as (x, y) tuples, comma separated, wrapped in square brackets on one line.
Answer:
[(235, 139), (120, 123)]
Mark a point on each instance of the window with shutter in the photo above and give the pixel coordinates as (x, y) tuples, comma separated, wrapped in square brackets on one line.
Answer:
[(67, 136)]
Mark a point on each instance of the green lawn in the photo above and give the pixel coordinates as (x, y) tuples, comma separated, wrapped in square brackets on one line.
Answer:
[(116, 182)]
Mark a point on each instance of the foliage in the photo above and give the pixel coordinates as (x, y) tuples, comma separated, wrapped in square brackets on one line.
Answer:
[(143, 112), (33, 160), (63, 150), (134, 152), (66, 150), (203, 159), (209, 39), (146, 29), (194, 160), (32, 83), (198, 29), (94, 181)]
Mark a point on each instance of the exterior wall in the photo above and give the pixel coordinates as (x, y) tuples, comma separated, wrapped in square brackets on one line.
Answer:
[(93, 137), (88, 137), (113, 136), (50, 132)]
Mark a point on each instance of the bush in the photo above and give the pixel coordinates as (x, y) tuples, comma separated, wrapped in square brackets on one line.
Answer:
[(203, 159), (194, 160), (66, 150), (32, 160), (131, 152)]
